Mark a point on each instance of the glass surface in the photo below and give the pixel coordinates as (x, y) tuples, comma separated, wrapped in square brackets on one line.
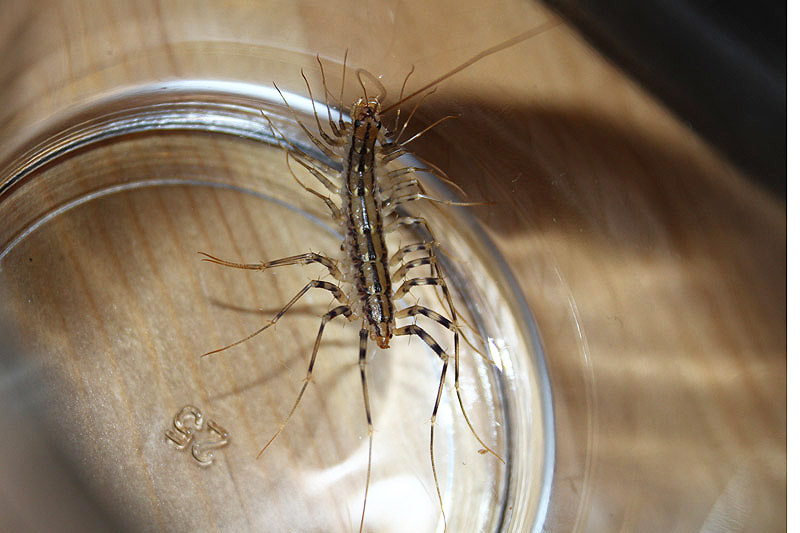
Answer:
[(99, 271)]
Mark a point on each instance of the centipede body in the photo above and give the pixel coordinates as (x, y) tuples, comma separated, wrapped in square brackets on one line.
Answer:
[(366, 207)]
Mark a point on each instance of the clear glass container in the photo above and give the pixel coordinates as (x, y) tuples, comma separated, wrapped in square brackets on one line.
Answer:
[(105, 208)]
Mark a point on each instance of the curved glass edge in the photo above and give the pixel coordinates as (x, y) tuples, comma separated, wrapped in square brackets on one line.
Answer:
[(540, 363), (70, 118)]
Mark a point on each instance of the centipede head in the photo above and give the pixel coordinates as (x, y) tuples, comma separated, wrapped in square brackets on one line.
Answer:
[(366, 120), (366, 109)]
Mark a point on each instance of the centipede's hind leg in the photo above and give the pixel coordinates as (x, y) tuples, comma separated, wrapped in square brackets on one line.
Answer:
[(413, 329), (416, 310), (343, 310), (362, 363)]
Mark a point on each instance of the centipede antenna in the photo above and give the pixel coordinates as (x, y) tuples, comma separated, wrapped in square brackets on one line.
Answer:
[(450, 202), (402, 90), (423, 132), (411, 115), (341, 93), (474, 59), (373, 79)]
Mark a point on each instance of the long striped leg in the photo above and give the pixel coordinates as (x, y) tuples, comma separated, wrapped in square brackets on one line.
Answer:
[(407, 221), (428, 259), (302, 259), (362, 363), (309, 163), (339, 132), (399, 193), (399, 182), (426, 247), (391, 152), (335, 211), (317, 142), (420, 196), (436, 272), (327, 317), (436, 281), (315, 284), (416, 310), (413, 329), (325, 137)]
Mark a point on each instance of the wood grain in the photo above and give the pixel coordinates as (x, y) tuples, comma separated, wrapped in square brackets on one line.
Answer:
[(655, 271)]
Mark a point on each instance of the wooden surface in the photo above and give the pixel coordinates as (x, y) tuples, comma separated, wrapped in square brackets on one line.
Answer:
[(655, 271)]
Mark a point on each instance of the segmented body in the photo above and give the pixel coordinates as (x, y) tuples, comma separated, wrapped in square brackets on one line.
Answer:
[(369, 196), (362, 217)]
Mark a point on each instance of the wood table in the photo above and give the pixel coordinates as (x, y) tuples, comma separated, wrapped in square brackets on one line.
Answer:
[(654, 269)]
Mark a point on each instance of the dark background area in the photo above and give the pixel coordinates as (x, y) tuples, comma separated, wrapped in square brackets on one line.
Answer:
[(720, 65)]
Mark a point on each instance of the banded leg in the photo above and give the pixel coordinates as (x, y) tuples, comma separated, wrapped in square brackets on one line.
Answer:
[(335, 211), (322, 178), (318, 143), (301, 259), (404, 185), (414, 263), (407, 221), (415, 310), (428, 259), (336, 131), (362, 363), (325, 137), (436, 281), (413, 329), (309, 163), (327, 317), (392, 152), (410, 189), (315, 284), (411, 197), (398, 192), (426, 247), (436, 272)]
